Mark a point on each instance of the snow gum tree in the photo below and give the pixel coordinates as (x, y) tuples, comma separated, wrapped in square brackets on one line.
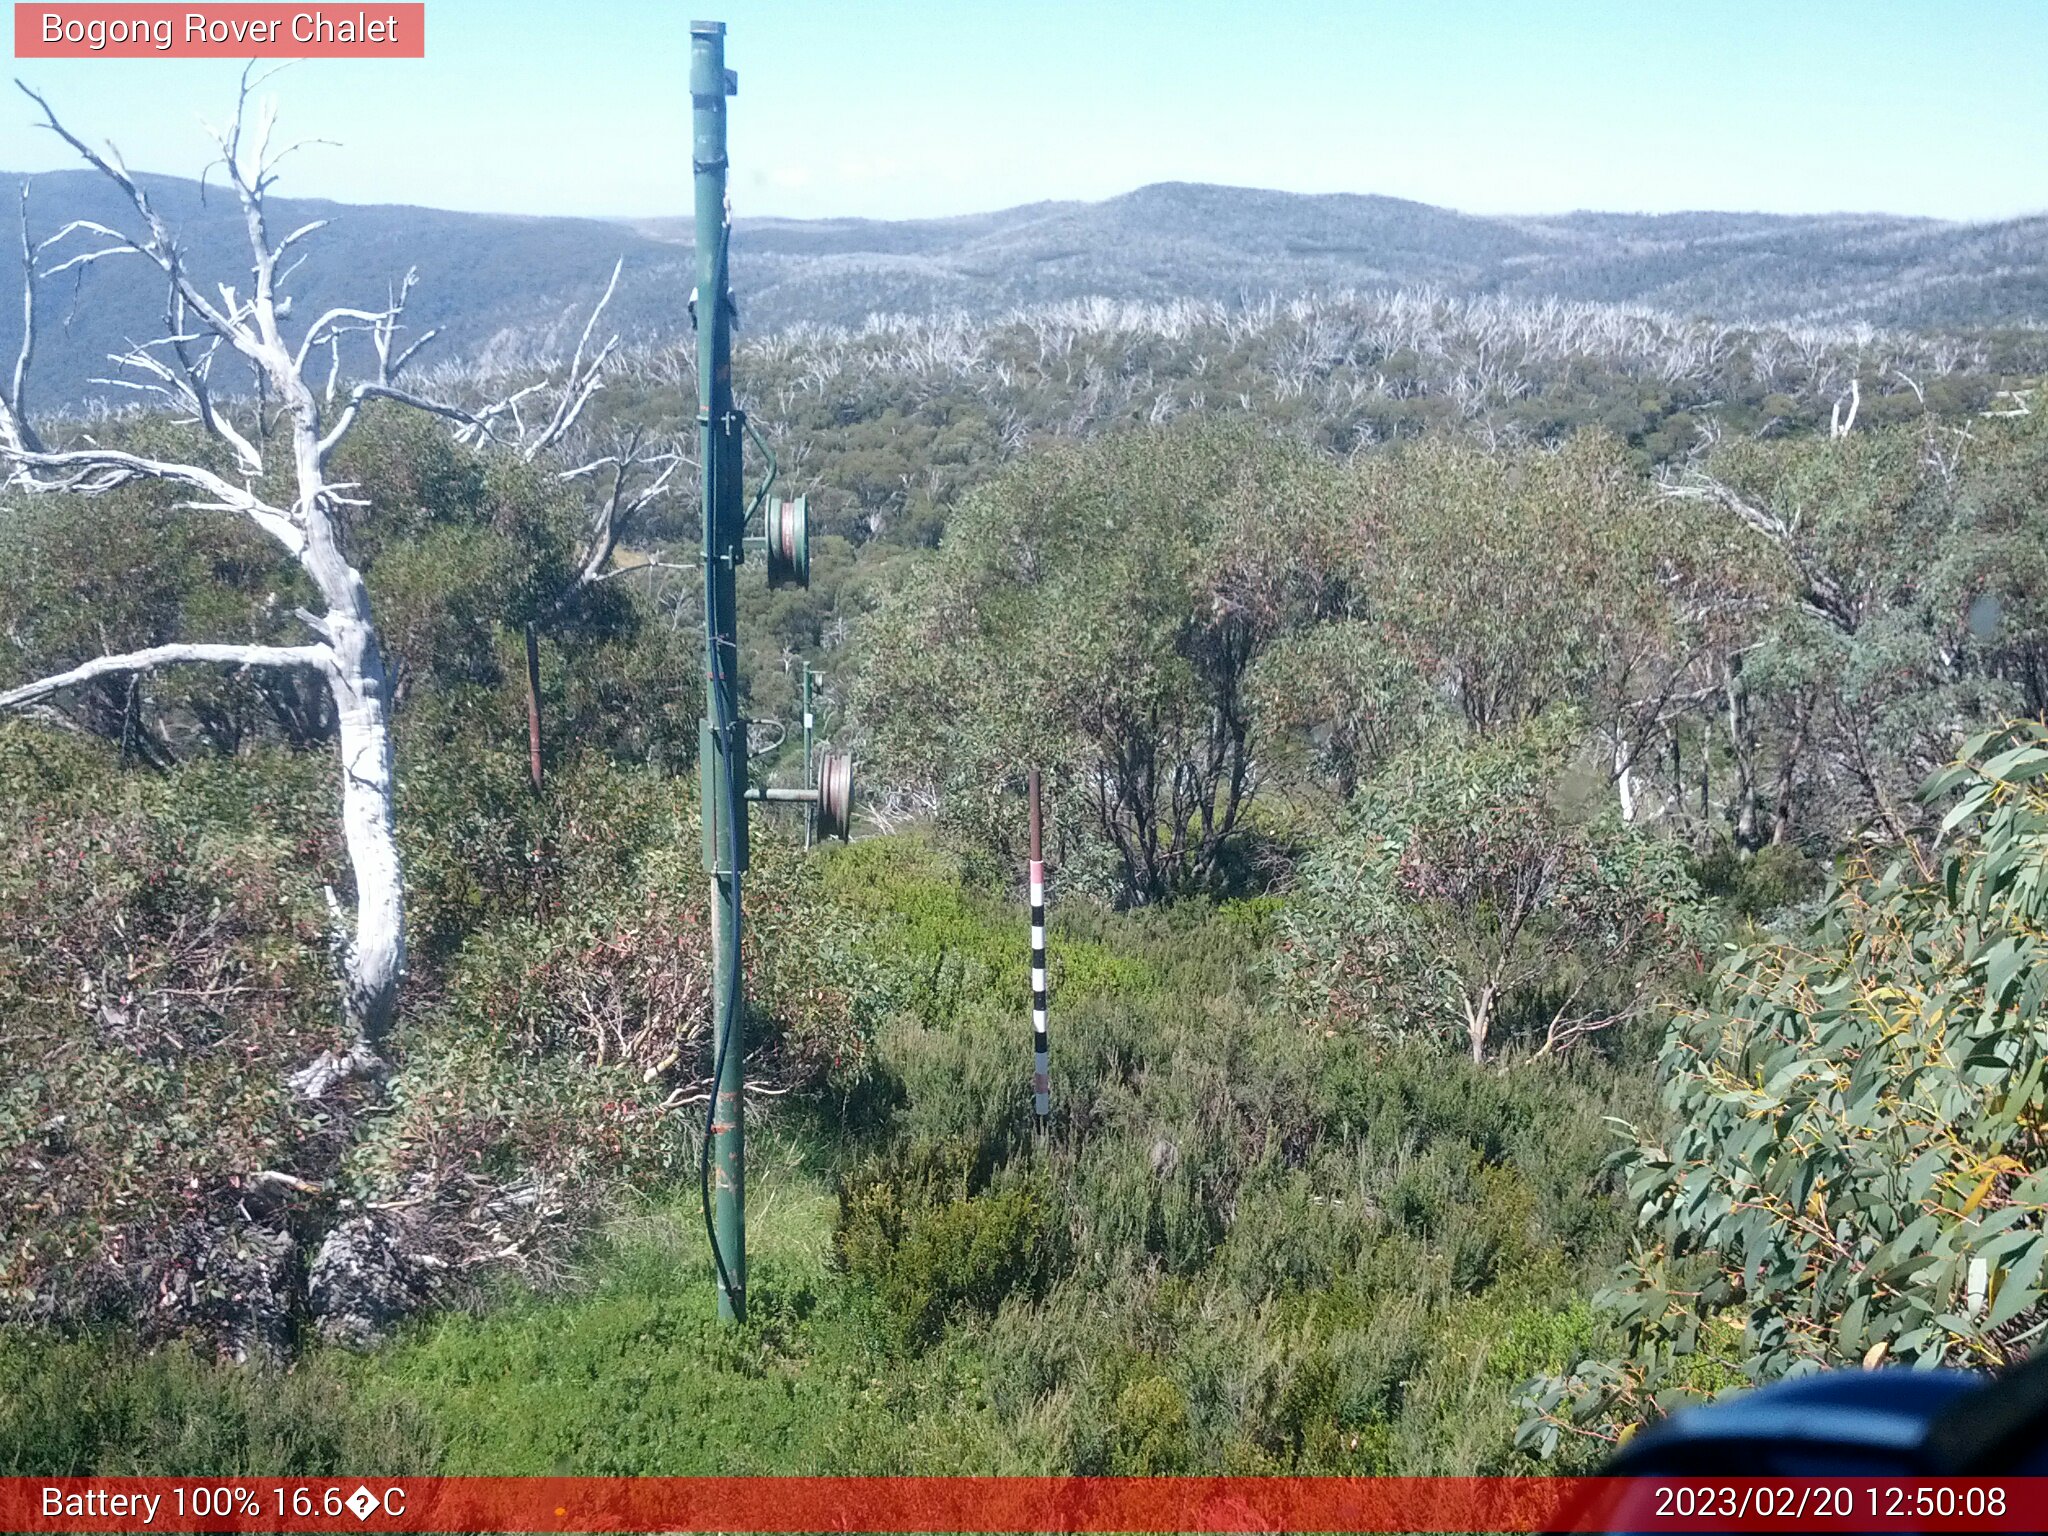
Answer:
[(271, 445)]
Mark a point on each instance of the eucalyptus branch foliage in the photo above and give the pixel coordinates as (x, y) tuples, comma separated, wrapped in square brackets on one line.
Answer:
[(1857, 1162)]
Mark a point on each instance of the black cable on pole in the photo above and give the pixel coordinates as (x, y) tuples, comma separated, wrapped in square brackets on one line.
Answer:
[(733, 810), (724, 1024)]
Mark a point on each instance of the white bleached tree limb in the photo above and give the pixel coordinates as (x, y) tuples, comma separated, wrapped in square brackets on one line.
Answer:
[(584, 378), (615, 512), (1840, 424), (1823, 596), (158, 656), (280, 483)]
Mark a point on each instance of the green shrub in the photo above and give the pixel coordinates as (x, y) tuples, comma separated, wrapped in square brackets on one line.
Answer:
[(101, 1406), (163, 968), (933, 1239), (1756, 886), (1465, 901), (1151, 1435)]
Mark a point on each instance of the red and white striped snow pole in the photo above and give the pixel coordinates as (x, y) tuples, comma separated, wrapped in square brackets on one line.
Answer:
[(1041, 1048)]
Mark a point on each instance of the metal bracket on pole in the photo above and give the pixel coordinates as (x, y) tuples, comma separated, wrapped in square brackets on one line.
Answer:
[(830, 800)]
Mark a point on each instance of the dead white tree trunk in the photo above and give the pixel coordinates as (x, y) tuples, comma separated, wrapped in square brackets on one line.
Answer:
[(177, 369), (1624, 777), (1841, 423)]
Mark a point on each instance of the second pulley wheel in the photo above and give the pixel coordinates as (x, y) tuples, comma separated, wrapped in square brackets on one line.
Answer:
[(789, 543), (835, 796)]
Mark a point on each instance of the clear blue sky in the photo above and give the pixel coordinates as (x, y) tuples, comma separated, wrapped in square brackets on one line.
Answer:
[(896, 108)]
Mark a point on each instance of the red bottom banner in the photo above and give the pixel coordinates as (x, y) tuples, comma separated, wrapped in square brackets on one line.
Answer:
[(1022, 1504)]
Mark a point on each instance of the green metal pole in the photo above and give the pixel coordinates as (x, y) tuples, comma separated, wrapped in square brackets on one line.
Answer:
[(721, 735)]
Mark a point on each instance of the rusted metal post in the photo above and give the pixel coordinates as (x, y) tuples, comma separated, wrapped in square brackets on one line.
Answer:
[(1041, 1046), (533, 705)]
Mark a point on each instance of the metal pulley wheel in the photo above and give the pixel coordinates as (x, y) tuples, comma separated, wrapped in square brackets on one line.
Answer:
[(835, 796), (789, 543)]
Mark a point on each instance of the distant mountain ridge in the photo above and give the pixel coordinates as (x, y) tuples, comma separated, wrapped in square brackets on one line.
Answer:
[(1186, 240), (502, 286)]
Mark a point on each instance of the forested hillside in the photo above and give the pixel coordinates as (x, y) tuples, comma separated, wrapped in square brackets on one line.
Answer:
[(1544, 819), (502, 288), (1180, 240)]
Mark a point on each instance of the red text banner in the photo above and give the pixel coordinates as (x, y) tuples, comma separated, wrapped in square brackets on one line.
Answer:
[(240, 31), (1022, 1504)]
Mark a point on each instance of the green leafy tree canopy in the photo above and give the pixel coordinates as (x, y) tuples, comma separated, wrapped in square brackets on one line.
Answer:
[(1855, 1165)]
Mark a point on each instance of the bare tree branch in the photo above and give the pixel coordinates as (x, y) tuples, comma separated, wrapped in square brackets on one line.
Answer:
[(159, 247), (92, 471), (583, 380), (158, 656), (1824, 597), (16, 422), (617, 511)]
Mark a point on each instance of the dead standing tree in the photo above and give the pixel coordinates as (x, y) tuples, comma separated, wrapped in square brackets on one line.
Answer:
[(295, 503)]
